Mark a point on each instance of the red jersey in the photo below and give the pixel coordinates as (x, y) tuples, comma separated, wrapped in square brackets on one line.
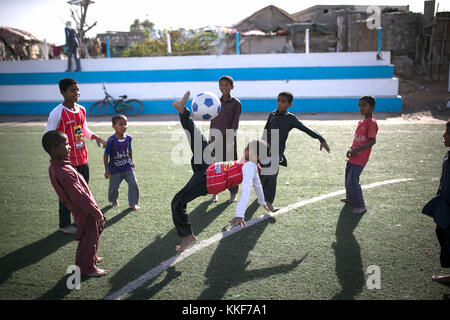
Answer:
[(366, 129), (73, 124), (224, 175)]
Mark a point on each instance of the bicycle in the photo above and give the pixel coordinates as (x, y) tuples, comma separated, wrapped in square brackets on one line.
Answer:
[(128, 107)]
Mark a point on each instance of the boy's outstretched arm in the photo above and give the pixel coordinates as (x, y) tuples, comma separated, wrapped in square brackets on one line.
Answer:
[(324, 144), (99, 140), (313, 134)]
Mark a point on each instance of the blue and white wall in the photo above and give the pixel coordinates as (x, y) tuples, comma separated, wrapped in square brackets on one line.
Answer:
[(320, 82)]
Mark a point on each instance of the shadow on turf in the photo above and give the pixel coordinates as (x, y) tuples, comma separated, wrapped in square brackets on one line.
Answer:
[(222, 275), (60, 290), (161, 249), (40, 249), (347, 251), (220, 279)]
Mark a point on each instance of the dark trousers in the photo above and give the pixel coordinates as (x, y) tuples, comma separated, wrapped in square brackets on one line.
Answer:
[(443, 236), (269, 183), (353, 189), (64, 213), (196, 186), (73, 50)]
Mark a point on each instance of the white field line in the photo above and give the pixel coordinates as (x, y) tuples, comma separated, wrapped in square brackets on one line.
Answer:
[(323, 132), (131, 286)]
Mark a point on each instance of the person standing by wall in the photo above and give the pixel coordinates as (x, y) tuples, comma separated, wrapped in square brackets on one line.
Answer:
[(72, 44)]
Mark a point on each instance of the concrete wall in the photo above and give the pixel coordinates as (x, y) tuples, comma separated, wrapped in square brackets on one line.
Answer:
[(400, 31), (320, 82)]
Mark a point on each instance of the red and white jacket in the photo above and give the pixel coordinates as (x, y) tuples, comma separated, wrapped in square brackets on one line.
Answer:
[(73, 124), (224, 175)]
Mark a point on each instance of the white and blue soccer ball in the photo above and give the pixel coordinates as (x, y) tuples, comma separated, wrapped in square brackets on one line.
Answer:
[(205, 106)]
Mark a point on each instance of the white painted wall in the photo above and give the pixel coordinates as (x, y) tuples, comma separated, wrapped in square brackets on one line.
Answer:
[(243, 89), (207, 62)]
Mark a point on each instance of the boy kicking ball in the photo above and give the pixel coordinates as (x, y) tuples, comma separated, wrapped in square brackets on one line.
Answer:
[(215, 178)]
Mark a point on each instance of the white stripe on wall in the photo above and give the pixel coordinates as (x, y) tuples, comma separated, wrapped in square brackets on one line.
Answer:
[(242, 89), (328, 59)]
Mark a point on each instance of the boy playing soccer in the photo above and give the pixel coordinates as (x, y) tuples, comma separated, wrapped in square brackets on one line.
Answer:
[(214, 178), (120, 166), (281, 122), (227, 120), (74, 193), (358, 154), (70, 118), (439, 209)]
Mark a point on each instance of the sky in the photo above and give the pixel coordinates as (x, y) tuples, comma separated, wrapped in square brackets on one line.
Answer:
[(45, 19)]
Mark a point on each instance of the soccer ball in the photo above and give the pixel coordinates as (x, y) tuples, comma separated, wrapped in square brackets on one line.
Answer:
[(205, 106)]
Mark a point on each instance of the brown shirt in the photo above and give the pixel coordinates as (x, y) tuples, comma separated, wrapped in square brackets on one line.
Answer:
[(228, 117)]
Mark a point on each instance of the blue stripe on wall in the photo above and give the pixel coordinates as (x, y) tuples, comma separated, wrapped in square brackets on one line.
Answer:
[(385, 104), (241, 74)]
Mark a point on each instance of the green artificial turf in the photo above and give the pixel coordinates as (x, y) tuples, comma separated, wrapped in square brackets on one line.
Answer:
[(317, 251)]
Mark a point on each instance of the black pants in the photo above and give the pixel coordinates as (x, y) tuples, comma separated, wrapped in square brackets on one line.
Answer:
[(64, 213), (269, 183), (196, 186), (443, 236)]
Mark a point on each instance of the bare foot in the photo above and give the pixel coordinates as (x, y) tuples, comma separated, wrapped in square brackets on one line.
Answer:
[(232, 197), (180, 105), (445, 279), (135, 208), (98, 273), (271, 207), (98, 260), (215, 198), (187, 241), (68, 229), (115, 203)]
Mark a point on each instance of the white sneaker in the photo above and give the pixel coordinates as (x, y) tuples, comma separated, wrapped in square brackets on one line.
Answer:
[(359, 210)]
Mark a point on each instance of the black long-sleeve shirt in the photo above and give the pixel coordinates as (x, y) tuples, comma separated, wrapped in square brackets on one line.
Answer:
[(439, 206), (285, 122)]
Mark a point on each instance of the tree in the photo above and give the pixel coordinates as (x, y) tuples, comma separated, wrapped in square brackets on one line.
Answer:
[(146, 25), (182, 42), (80, 19)]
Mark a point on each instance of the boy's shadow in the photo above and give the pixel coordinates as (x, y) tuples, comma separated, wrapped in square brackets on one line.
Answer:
[(227, 267), (34, 252), (162, 249), (347, 253)]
